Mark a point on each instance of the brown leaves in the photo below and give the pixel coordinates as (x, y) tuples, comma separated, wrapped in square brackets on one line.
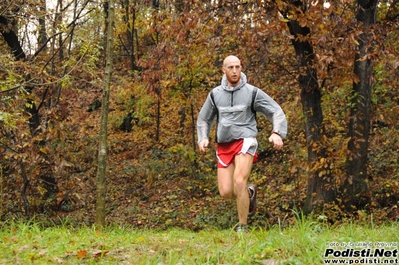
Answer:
[(81, 253), (84, 253)]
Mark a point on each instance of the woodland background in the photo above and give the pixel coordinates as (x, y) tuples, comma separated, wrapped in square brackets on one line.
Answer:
[(167, 56)]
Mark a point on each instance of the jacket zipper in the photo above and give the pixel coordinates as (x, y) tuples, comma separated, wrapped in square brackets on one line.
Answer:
[(231, 101)]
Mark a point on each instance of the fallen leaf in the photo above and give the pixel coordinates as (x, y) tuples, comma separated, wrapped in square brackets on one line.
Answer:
[(82, 253)]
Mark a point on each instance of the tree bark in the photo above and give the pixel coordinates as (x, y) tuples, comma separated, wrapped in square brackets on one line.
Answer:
[(42, 36), (25, 182), (319, 189), (359, 126), (102, 150), (130, 31), (11, 39)]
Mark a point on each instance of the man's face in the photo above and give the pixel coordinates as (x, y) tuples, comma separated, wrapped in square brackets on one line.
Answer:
[(232, 69)]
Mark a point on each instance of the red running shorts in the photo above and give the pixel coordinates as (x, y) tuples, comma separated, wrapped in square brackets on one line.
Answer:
[(226, 152)]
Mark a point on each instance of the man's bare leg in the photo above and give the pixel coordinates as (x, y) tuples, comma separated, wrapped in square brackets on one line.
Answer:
[(243, 165), (226, 181), (232, 183)]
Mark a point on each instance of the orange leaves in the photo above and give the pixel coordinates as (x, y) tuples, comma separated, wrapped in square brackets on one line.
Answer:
[(81, 253)]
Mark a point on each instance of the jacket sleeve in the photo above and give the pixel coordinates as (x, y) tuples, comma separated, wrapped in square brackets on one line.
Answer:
[(272, 110), (206, 118)]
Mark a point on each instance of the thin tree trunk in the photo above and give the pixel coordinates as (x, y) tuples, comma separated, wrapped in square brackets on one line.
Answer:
[(25, 181), (42, 36), (102, 150), (158, 130), (130, 31), (359, 126), (193, 128)]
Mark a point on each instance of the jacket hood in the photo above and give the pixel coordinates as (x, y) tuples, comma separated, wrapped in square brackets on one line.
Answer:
[(243, 81)]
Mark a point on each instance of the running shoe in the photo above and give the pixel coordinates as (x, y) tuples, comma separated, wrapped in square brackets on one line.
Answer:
[(241, 228), (252, 190)]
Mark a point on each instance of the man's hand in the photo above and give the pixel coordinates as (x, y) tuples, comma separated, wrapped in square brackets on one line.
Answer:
[(203, 145), (276, 140)]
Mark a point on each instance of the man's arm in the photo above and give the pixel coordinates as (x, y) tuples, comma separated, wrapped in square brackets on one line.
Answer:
[(272, 110), (205, 120)]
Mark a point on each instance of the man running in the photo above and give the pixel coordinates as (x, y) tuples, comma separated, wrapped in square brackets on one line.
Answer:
[(234, 105)]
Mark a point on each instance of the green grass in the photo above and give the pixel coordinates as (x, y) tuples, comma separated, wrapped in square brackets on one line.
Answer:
[(303, 242)]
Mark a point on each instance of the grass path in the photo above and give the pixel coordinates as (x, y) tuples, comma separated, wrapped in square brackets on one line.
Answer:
[(302, 243)]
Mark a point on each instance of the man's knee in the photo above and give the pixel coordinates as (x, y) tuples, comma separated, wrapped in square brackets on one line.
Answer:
[(240, 184), (226, 193)]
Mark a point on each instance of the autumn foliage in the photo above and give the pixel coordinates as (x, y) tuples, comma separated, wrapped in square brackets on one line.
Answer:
[(168, 56)]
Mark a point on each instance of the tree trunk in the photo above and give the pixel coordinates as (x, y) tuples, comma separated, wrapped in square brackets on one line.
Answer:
[(11, 39), (102, 150), (42, 37), (158, 129), (193, 128), (319, 180), (359, 126), (130, 31), (25, 181)]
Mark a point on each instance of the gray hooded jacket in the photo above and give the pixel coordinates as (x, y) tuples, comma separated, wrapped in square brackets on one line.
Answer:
[(232, 108)]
